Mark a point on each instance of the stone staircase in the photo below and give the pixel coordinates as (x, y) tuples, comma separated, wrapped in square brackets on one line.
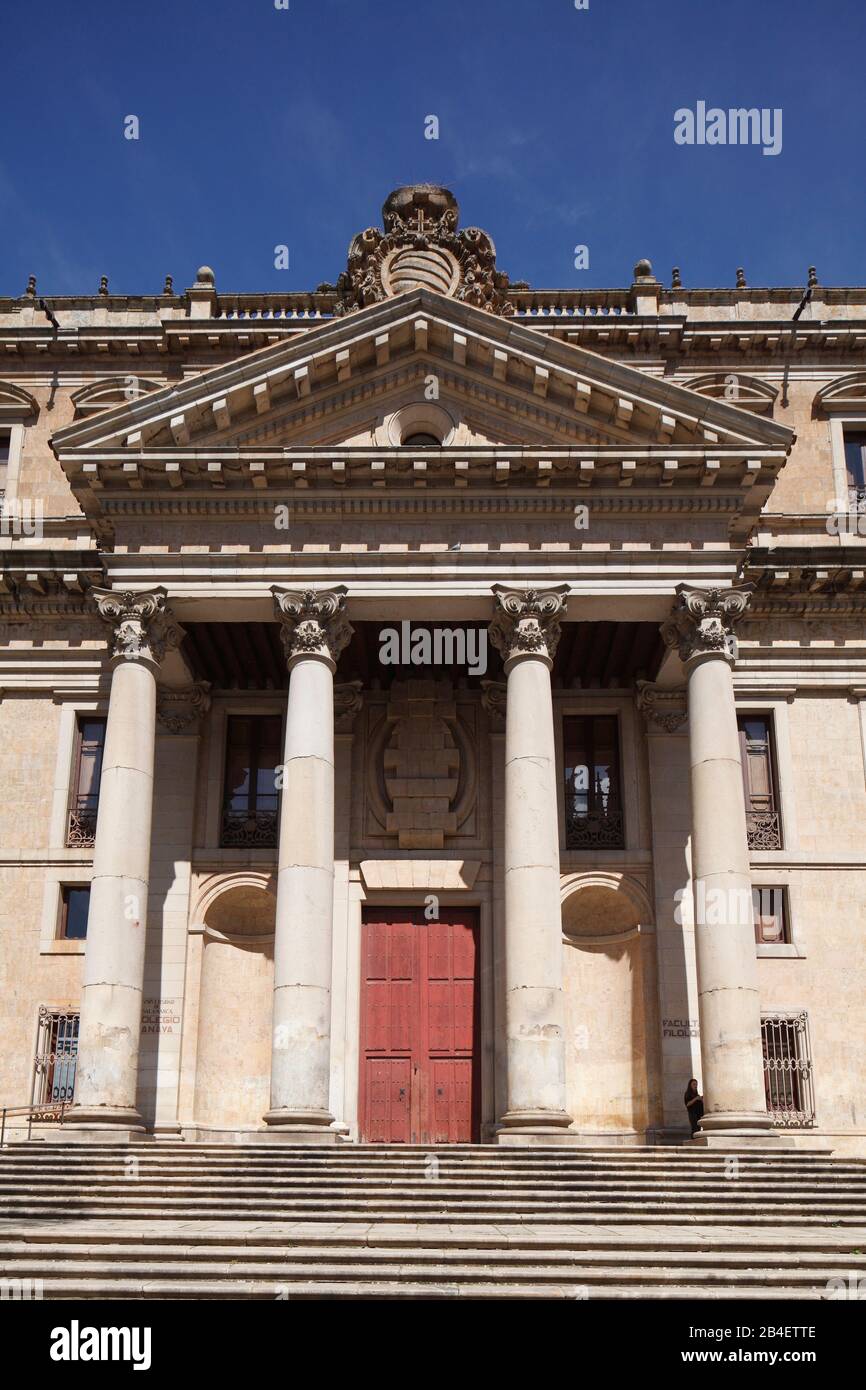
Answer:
[(171, 1220)]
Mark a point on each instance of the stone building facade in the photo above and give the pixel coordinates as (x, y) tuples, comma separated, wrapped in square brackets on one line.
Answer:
[(434, 710)]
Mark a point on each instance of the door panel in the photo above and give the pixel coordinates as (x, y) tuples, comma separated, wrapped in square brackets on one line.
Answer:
[(389, 1098), (419, 1027)]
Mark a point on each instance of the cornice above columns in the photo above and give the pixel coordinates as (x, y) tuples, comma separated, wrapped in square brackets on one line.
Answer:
[(313, 623), (702, 621)]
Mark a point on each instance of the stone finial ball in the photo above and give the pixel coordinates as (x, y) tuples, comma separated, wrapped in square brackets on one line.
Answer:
[(205, 275), (643, 268)]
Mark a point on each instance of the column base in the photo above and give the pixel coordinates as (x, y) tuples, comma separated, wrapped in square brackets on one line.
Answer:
[(524, 1127), (734, 1139), (209, 1134), (298, 1127), (732, 1130), (294, 1134), (101, 1124)]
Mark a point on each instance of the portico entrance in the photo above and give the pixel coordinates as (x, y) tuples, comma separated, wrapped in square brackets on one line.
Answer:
[(420, 1076)]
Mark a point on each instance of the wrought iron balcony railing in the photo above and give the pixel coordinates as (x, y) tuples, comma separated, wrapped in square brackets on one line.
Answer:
[(255, 829), (593, 831), (764, 830), (81, 830)]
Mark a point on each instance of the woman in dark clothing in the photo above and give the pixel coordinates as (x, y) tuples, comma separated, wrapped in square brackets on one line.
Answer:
[(694, 1104)]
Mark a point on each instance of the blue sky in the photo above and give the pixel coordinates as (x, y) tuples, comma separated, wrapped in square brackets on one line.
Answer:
[(261, 127)]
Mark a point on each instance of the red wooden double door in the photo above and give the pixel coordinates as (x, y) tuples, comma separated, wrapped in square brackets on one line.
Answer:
[(420, 1077)]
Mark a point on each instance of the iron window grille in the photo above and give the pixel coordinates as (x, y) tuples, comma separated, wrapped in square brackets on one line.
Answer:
[(788, 1079), (56, 1056)]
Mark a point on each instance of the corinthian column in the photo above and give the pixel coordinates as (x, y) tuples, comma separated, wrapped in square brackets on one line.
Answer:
[(314, 631), (525, 629), (143, 630), (701, 629)]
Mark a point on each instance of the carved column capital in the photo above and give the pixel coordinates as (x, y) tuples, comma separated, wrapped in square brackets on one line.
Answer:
[(664, 708), (143, 626), (702, 621), (314, 623), (179, 709), (347, 704), (526, 622)]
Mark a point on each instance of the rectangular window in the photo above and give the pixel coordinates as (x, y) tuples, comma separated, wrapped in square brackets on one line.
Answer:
[(759, 781), (87, 772), (251, 797), (74, 906), (855, 462), (593, 797), (771, 918), (5, 438), (788, 1069), (56, 1055)]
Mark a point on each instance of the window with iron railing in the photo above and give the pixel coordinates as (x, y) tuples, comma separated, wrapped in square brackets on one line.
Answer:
[(593, 794), (251, 798), (855, 466), (763, 823), (788, 1080), (771, 917), (87, 773), (56, 1056)]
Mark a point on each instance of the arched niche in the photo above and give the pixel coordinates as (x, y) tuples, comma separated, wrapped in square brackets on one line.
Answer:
[(109, 392), (16, 403), (844, 395), (737, 388), (233, 1053), (608, 976)]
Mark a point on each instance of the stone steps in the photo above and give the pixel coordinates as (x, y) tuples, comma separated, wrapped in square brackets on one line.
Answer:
[(394, 1189), (240, 1221), (358, 1182), (214, 1289), (421, 1264), (328, 1208), (253, 1161), (465, 1154)]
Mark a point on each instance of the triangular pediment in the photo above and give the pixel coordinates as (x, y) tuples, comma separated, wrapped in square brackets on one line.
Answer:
[(497, 379)]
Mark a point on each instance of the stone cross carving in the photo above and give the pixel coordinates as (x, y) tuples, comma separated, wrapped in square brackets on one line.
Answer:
[(702, 621), (527, 621), (314, 623), (144, 627)]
